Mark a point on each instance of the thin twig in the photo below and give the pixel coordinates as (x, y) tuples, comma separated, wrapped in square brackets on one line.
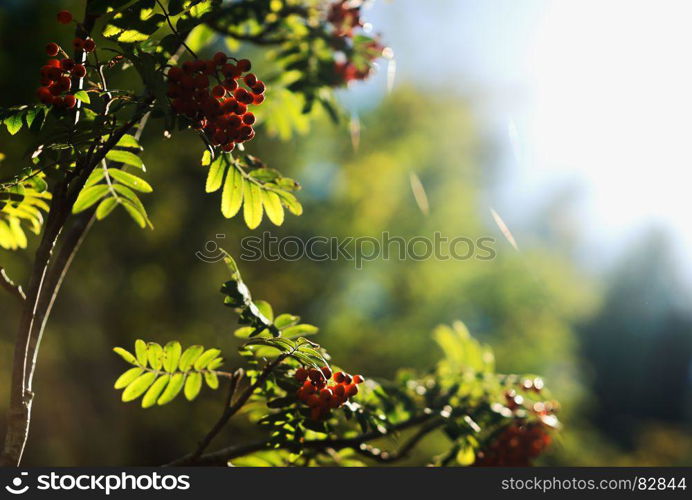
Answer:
[(7, 283), (170, 25)]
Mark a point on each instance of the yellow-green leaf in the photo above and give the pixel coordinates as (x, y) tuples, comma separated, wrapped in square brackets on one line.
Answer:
[(105, 208), (126, 378), (232, 196), (291, 202), (174, 387), (273, 207), (190, 356), (204, 359), (252, 208), (215, 176), (126, 355), (155, 355), (172, 353), (193, 385), (155, 391), (138, 386), (130, 180), (88, 196), (141, 352), (212, 380)]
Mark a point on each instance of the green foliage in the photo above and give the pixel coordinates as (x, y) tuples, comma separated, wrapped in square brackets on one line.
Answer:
[(249, 184), (21, 208), (161, 373)]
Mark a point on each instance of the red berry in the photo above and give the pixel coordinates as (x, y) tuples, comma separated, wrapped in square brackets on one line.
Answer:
[(52, 49), (89, 45), (230, 71), (358, 379), (79, 71), (175, 73), (201, 81), (240, 109), (347, 379), (258, 88), (249, 119), (259, 99), (315, 374), (244, 65), (67, 64), (250, 79), (339, 391), (313, 400), (53, 63), (56, 89), (351, 390), (189, 67), (65, 82), (64, 17), (339, 377), (230, 85), (218, 91), (220, 58), (228, 147), (325, 394), (70, 101), (44, 95), (243, 96), (301, 374), (78, 43)]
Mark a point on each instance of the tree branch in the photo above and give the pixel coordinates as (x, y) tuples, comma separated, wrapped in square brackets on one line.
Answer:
[(230, 410), (9, 285), (221, 457)]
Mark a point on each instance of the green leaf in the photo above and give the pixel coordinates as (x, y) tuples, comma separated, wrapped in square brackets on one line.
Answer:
[(265, 308), (174, 387), (130, 180), (202, 361), (155, 391), (129, 141), (301, 330), (232, 196), (155, 355), (126, 355), (252, 208), (291, 202), (193, 385), (88, 196), (212, 380), (138, 386), (172, 353), (126, 378), (82, 96), (139, 218), (126, 157), (141, 351), (273, 207), (105, 208), (206, 158), (190, 356), (14, 122), (285, 320), (215, 363), (215, 175)]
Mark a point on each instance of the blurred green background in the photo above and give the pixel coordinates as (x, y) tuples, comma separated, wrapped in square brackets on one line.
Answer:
[(611, 336)]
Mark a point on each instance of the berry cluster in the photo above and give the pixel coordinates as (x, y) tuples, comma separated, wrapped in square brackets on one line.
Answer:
[(221, 112), (516, 446), (345, 16), (357, 53), (57, 74), (322, 397)]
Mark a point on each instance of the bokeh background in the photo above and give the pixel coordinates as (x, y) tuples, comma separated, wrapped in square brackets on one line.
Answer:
[(568, 119)]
